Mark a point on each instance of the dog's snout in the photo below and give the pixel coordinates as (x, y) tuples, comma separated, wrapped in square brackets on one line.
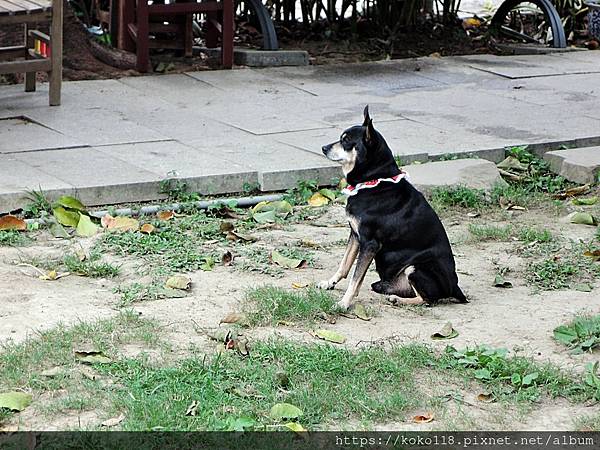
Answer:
[(326, 148)]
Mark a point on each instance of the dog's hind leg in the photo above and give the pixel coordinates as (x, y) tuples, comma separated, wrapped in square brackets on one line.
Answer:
[(366, 253), (345, 264), (401, 290)]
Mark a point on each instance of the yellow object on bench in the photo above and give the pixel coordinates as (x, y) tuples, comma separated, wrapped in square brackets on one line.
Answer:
[(40, 52)]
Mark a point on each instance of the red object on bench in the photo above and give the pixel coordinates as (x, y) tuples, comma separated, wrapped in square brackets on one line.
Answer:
[(177, 17)]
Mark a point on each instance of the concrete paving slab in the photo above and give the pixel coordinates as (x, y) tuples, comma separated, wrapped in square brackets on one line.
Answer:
[(580, 165), (472, 173), (524, 66), (96, 178), (21, 135), (18, 177), (204, 172), (279, 166), (94, 126)]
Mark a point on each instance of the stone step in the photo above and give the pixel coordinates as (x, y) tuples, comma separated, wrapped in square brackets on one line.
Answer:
[(472, 173), (579, 165)]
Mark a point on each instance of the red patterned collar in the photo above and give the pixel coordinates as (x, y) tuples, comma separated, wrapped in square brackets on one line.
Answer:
[(353, 190)]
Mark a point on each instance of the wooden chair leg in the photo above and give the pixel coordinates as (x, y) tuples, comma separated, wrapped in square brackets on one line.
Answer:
[(212, 34), (188, 36), (227, 34), (143, 37), (29, 76), (56, 41)]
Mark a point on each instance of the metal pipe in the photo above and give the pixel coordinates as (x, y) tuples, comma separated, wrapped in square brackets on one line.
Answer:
[(203, 204)]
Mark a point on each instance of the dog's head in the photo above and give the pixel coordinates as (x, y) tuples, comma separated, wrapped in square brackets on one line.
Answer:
[(363, 153)]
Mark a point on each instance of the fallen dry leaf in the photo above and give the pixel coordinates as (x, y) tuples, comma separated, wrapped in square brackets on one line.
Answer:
[(165, 215), (424, 418), (147, 228), (572, 192), (232, 317), (227, 258), (594, 254), (224, 227), (299, 285), (113, 422), (235, 236), (318, 199), (10, 222), (486, 397)]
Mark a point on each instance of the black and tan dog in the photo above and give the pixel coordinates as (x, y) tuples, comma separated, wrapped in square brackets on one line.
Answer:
[(390, 222)]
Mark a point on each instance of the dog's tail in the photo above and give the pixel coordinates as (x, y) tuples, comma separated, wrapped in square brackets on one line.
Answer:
[(459, 295)]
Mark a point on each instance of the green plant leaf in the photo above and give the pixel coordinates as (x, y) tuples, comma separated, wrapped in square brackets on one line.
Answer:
[(500, 282), (70, 202), (58, 231), (282, 411), (328, 193), (330, 336), (528, 379), (66, 217), (85, 227), (565, 335), (584, 218), (15, 401), (264, 217), (240, 424), (585, 201), (92, 357), (583, 287), (447, 332), (361, 312), (284, 261), (483, 374), (515, 379), (295, 426), (178, 282)]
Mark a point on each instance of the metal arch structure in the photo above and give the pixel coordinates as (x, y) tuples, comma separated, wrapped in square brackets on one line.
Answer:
[(266, 25), (559, 39)]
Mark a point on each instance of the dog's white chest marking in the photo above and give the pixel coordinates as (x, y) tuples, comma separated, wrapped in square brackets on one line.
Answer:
[(354, 223)]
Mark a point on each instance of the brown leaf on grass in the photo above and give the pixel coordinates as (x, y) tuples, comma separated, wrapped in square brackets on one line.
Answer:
[(227, 258), (147, 228), (486, 397), (594, 254), (113, 422), (165, 215), (299, 285), (572, 192), (10, 222), (224, 227), (235, 236), (423, 418), (318, 199), (233, 317)]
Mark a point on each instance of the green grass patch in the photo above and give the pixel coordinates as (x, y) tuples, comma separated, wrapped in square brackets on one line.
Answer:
[(329, 384), (21, 365), (491, 232), (530, 234), (461, 196), (516, 377), (91, 266), (563, 266), (581, 335), (270, 305), (12, 238)]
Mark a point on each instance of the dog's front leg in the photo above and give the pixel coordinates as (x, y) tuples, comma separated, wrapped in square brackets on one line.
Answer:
[(345, 265), (366, 253)]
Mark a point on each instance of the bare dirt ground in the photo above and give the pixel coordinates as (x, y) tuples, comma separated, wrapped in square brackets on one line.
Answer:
[(518, 319)]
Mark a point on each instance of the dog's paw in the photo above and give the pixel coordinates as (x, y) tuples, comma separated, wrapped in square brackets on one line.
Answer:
[(343, 304), (326, 284)]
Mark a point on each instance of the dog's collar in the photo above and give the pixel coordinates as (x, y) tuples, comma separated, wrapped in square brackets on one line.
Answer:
[(353, 190)]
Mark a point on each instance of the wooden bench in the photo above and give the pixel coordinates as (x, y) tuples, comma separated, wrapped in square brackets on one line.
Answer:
[(40, 52)]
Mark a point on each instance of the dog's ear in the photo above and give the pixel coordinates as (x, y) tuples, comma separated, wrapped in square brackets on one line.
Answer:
[(367, 117), (368, 123)]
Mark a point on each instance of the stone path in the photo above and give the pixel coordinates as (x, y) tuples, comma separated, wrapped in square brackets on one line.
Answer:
[(114, 140)]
